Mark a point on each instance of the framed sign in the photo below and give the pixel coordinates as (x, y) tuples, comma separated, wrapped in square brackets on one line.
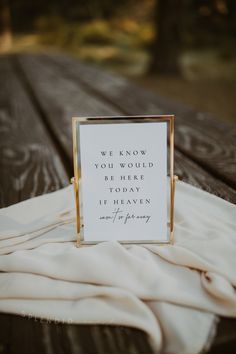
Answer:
[(123, 178)]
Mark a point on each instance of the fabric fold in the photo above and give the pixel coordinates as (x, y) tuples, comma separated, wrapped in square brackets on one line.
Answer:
[(173, 292)]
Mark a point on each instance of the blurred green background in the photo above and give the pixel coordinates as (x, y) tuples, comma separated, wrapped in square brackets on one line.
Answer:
[(182, 49)]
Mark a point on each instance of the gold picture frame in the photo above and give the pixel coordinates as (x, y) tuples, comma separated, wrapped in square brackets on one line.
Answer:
[(76, 180)]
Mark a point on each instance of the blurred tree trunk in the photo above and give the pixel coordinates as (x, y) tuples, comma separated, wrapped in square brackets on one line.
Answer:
[(5, 26), (166, 47)]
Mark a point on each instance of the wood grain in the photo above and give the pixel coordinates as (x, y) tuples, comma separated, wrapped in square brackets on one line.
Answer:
[(60, 98), (210, 143), (70, 98), (29, 162), (20, 335)]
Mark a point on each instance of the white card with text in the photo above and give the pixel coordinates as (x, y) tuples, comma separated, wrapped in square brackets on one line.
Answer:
[(124, 181)]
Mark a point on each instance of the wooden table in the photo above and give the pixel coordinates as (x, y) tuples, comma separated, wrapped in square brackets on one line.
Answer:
[(39, 95)]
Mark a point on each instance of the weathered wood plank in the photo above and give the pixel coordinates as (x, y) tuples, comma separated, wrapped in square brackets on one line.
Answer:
[(59, 97), (29, 163), (192, 173), (225, 341), (69, 99), (108, 339), (30, 166), (5, 333), (211, 143), (26, 336)]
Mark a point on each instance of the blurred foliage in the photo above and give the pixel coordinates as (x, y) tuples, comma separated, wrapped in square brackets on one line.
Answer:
[(191, 24), (211, 23), (201, 21), (125, 32), (118, 42), (26, 12), (129, 33)]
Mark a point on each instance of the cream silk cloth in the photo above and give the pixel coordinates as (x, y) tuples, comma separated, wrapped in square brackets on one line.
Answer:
[(174, 293)]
